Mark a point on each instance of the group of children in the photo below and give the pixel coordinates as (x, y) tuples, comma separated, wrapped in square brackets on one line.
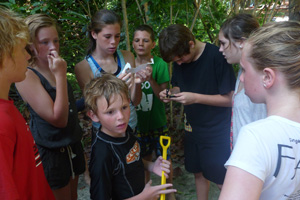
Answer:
[(128, 112)]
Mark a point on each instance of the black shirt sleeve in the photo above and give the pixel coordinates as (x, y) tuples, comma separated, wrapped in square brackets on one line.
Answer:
[(101, 171)]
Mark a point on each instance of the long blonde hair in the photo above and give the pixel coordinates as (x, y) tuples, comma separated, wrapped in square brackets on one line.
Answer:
[(277, 45)]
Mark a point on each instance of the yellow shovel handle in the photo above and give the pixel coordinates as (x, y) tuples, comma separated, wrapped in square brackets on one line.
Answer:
[(165, 148)]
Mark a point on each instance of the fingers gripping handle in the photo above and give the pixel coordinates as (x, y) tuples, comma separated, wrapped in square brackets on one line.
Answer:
[(165, 148)]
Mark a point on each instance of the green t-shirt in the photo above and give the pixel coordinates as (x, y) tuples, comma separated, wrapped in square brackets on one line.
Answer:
[(151, 111)]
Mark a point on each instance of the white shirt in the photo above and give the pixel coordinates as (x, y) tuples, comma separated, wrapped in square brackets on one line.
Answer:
[(270, 150)]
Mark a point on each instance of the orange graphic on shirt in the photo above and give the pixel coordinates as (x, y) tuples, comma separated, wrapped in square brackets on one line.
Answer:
[(134, 153)]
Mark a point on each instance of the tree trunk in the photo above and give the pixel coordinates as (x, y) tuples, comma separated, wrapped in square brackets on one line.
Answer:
[(196, 15), (146, 11), (126, 24), (237, 6), (294, 10), (140, 10)]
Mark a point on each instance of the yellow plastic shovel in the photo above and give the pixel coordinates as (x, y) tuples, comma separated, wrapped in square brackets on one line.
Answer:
[(165, 148)]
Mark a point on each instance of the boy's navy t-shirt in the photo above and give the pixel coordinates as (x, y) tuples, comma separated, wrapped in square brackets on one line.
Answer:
[(210, 74), (116, 167)]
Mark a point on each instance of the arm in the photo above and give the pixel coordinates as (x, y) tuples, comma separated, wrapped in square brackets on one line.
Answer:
[(8, 189), (55, 112), (146, 75), (188, 98), (136, 90), (156, 87), (101, 172), (160, 74), (83, 74), (240, 184)]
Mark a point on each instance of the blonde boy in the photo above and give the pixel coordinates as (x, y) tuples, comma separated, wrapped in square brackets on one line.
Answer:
[(21, 170), (116, 167)]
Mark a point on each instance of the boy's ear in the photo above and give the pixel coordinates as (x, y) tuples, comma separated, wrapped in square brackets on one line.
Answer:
[(192, 44), (153, 45), (93, 116)]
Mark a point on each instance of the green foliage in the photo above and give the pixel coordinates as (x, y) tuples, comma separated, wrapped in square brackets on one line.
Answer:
[(73, 81), (73, 18)]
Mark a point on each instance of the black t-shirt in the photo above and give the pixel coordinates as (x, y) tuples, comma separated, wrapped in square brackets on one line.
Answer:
[(210, 74), (116, 167)]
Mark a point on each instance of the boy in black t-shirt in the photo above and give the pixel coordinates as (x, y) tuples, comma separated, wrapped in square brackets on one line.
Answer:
[(203, 82), (116, 167)]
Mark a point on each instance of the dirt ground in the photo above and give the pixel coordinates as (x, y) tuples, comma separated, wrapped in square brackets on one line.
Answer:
[(183, 182)]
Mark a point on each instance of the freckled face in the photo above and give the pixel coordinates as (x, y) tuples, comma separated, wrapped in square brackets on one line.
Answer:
[(115, 117), (47, 40), (230, 50)]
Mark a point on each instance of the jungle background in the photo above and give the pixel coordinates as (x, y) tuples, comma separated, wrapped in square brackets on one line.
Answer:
[(203, 17)]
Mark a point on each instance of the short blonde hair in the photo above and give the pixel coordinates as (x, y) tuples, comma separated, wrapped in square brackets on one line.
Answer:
[(277, 45), (12, 31), (105, 86)]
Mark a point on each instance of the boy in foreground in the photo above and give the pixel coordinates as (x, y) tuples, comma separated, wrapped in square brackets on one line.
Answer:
[(116, 167), (21, 170)]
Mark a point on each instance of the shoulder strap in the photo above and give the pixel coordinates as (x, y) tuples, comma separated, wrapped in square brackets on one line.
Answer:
[(95, 67), (121, 61)]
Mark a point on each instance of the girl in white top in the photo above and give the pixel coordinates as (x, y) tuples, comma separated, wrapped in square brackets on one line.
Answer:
[(233, 33), (265, 163)]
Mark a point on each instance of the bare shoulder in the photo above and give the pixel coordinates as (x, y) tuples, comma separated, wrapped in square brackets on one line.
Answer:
[(31, 77), (83, 73), (81, 65), (30, 84)]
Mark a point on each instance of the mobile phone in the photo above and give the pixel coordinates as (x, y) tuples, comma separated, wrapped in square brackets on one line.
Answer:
[(169, 95), (126, 68)]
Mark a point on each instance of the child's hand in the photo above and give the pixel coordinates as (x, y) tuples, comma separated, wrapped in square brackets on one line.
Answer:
[(127, 77), (161, 165), (186, 98), (143, 75), (153, 192), (163, 96), (57, 64)]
